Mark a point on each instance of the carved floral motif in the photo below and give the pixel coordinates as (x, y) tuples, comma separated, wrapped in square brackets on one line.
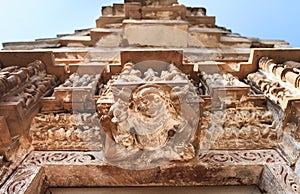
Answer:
[(279, 178), (212, 157), (218, 157), (40, 158), (20, 180)]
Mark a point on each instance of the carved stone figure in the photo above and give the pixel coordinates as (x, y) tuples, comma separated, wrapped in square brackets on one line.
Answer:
[(271, 88), (25, 84), (150, 122), (66, 131), (86, 80), (289, 71), (217, 80), (242, 127)]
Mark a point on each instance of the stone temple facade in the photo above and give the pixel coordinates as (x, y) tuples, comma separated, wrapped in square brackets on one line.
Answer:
[(155, 95)]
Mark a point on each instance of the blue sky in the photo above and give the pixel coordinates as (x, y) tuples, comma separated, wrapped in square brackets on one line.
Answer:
[(26, 20)]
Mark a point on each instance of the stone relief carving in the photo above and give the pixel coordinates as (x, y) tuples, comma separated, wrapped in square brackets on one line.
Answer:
[(288, 72), (220, 80), (211, 157), (20, 181), (154, 117), (151, 121), (78, 92), (131, 74), (244, 126), (218, 157), (66, 131), (150, 115), (25, 84), (85, 80), (40, 158), (225, 88), (276, 81), (30, 170), (279, 178), (274, 90)]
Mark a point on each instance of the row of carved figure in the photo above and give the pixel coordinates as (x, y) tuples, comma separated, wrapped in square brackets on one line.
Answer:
[(271, 88), (25, 84), (131, 74), (288, 71), (217, 79), (65, 130), (85, 80), (12, 77), (277, 81), (242, 127)]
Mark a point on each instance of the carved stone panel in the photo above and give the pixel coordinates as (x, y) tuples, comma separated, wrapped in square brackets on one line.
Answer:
[(279, 178), (154, 117), (25, 180), (66, 131), (241, 157), (91, 169), (242, 127)]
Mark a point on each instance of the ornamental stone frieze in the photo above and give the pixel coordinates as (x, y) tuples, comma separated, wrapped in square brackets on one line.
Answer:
[(155, 95)]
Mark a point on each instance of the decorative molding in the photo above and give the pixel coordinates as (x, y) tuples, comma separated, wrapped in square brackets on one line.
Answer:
[(65, 131), (41, 158), (240, 157), (235, 162), (243, 127), (212, 157), (21, 180), (279, 178)]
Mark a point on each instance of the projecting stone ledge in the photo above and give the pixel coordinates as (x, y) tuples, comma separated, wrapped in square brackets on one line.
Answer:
[(153, 2), (89, 169), (41, 44), (76, 41)]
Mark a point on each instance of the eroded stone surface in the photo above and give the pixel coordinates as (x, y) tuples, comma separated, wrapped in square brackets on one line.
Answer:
[(160, 112), (4, 168), (65, 131), (218, 157), (150, 190), (91, 169), (153, 121), (13, 78), (277, 178), (25, 180), (241, 127)]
